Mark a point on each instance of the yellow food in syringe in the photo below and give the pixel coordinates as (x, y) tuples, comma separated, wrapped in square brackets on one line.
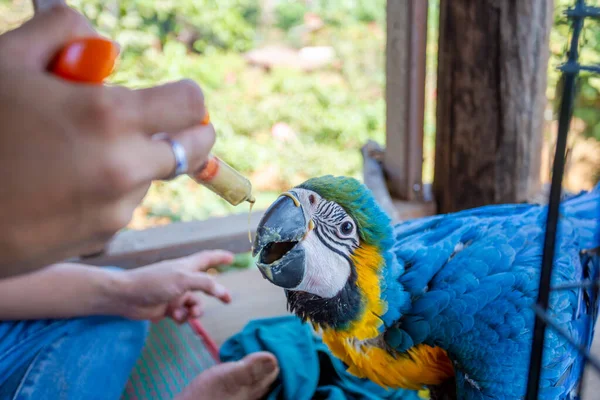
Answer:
[(225, 181), (222, 179)]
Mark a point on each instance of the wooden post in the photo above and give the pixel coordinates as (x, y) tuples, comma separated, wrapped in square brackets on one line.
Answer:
[(490, 100), (405, 96)]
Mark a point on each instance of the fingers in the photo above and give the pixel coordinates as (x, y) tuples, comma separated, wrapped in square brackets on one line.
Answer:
[(197, 142), (204, 260), (208, 285), (41, 38), (175, 109), (170, 108), (185, 307)]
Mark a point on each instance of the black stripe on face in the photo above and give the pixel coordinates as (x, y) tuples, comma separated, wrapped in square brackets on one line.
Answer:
[(330, 215), (324, 241), (327, 233), (325, 209), (329, 212), (338, 216)]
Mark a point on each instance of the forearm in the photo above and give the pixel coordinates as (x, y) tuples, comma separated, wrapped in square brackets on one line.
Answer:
[(59, 291)]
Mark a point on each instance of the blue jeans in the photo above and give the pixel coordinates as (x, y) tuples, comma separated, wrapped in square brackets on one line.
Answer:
[(80, 358)]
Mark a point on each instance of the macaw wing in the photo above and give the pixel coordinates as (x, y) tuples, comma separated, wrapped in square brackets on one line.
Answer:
[(473, 279)]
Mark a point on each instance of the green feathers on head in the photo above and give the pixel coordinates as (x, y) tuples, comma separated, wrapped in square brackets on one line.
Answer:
[(358, 201)]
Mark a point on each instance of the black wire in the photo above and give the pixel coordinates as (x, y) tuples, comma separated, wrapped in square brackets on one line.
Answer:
[(585, 284), (565, 334), (566, 110)]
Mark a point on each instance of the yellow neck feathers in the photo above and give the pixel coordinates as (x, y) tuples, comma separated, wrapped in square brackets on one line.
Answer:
[(368, 263), (422, 365)]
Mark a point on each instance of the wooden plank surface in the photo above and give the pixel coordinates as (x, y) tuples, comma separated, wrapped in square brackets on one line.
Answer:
[(406, 210), (130, 249)]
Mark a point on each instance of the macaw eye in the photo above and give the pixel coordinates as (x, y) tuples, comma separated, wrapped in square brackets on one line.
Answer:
[(346, 228), (312, 199)]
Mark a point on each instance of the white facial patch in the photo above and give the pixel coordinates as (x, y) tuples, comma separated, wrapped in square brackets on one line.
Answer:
[(326, 271)]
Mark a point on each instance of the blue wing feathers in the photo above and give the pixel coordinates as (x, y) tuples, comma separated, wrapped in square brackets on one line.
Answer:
[(473, 277), (584, 212)]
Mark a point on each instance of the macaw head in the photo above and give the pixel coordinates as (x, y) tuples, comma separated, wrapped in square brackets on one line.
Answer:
[(327, 243)]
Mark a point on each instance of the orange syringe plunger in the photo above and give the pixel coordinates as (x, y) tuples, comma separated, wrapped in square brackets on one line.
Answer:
[(225, 181), (222, 179)]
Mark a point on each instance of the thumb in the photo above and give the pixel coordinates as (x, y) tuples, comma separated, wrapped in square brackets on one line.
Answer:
[(42, 37)]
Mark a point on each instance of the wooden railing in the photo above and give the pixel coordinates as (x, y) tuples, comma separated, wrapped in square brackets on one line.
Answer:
[(134, 248)]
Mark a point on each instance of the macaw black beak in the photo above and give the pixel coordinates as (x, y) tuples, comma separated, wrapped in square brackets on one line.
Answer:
[(281, 256)]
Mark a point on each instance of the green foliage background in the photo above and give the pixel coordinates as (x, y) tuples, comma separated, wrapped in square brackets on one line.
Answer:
[(333, 111), (588, 99)]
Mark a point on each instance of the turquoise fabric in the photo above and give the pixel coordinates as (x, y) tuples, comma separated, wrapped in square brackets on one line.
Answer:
[(308, 370)]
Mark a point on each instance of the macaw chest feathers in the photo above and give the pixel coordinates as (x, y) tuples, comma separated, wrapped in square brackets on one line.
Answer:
[(419, 367)]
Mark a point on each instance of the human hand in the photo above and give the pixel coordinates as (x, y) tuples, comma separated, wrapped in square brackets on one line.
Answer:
[(78, 158), (166, 289)]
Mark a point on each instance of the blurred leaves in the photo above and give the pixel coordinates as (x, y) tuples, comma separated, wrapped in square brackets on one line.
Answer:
[(203, 25), (587, 106)]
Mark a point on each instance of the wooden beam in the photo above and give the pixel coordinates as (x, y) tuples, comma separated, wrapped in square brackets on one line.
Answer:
[(405, 96), (374, 177), (407, 210), (130, 249), (492, 69)]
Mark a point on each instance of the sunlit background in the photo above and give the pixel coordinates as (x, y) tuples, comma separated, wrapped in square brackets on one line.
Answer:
[(294, 88)]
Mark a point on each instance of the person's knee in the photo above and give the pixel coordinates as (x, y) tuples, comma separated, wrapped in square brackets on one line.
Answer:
[(118, 329), (138, 333), (133, 330)]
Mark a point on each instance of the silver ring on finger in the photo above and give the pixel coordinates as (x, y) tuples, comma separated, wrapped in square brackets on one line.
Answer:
[(181, 161)]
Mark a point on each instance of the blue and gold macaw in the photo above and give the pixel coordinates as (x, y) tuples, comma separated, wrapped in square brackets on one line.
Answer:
[(442, 303)]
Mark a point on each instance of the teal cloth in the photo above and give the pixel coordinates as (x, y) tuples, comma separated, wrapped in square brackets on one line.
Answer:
[(308, 370)]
